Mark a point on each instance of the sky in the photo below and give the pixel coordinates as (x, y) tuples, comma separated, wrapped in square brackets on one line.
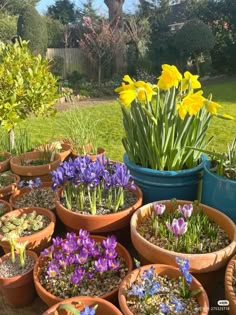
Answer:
[(129, 5)]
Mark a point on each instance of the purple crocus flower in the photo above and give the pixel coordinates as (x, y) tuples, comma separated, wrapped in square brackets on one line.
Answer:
[(101, 264), (110, 242), (178, 227), (113, 264), (110, 253), (159, 208), (83, 234), (57, 241), (53, 270), (77, 275), (82, 256), (186, 210)]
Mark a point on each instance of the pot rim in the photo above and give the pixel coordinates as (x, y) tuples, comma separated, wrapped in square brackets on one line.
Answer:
[(216, 176), (153, 172), (228, 278), (180, 254)]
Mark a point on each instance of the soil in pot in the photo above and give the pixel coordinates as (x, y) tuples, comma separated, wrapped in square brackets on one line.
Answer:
[(4, 207)]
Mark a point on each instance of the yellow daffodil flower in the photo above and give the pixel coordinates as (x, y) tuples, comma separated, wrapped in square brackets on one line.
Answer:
[(191, 81), (170, 77), (129, 92), (191, 104)]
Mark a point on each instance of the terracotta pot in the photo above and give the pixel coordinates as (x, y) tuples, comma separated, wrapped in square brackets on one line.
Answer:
[(7, 206), (229, 291), (65, 149), (104, 307), (29, 172), (39, 240), (199, 263), (5, 165), (25, 190), (6, 191), (98, 223), (100, 153), (162, 270), (51, 299), (19, 291)]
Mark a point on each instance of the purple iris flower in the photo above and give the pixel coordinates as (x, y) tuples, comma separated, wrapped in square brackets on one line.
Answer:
[(179, 307), (101, 264), (148, 273), (177, 227), (158, 208), (184, 267), (137, 290), (37, 182), (164, 308), (121, 176), (186, 210), (58, 177)]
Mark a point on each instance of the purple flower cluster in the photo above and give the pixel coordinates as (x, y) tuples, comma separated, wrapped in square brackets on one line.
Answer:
[(30, 183), (81, 256), (95, 179)]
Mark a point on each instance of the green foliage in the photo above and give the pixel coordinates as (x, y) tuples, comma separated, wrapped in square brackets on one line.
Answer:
[(31, 26), (57, 66), (64, 11), (26, 85), (7, 27), (194, 37), (55, 30), (14, 7)]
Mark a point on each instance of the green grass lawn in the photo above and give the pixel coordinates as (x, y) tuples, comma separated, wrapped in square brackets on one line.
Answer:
[(110, 128)]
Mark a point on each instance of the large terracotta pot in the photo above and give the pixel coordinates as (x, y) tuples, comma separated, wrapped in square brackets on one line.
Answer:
[(25, 190), (29, 172), (65, 149), (51, 299), (199, 263), (98, 223), (162, 270), (5, 165), (39, 240), (6, 191), (19, 291), (229, 291), (104, 307), (100, 153), (6, 205)]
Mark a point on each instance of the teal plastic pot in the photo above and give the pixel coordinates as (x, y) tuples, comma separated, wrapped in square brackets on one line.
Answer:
[(219, 192), (165, 185)]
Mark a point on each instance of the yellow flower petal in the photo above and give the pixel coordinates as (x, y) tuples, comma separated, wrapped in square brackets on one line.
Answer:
[(128, 96), (190, 81), (127, 79), (212, 107), (170, 77), (193, 102), (182, 111)]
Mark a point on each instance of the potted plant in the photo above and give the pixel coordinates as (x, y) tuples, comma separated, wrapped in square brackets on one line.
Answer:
[(161, 123), (34, 225), (219, 181), (4, 207), (75, 261), (35, 164), (33, 193), (96, 196), (4, 161), (80, 131), (162, 289), (230, 285), (206, 237), (83, 305), (8, 184), (60, 147), (16, 274)]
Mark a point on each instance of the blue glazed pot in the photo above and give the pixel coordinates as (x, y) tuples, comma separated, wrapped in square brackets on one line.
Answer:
[(219, 192), (165, 185)]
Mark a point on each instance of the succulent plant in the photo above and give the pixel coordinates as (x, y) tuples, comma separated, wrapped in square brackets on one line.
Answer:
[(23, 224)]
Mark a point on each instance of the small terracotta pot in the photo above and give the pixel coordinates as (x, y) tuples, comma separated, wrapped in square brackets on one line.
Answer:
[(6, 191), (19, 291), (5, 165), (229, 291), (65, 149), (100, 153), (98, 223), (39, 240), (25, 190), (29, 172), (51, 299), (7, 206), (162, 270), (104, 307), (199, 263)]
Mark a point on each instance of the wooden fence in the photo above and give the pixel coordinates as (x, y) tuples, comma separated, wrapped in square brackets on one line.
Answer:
[(73, 59)]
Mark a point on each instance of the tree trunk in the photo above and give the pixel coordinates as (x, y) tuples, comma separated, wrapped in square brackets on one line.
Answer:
[(12, 139), (116, 12)]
